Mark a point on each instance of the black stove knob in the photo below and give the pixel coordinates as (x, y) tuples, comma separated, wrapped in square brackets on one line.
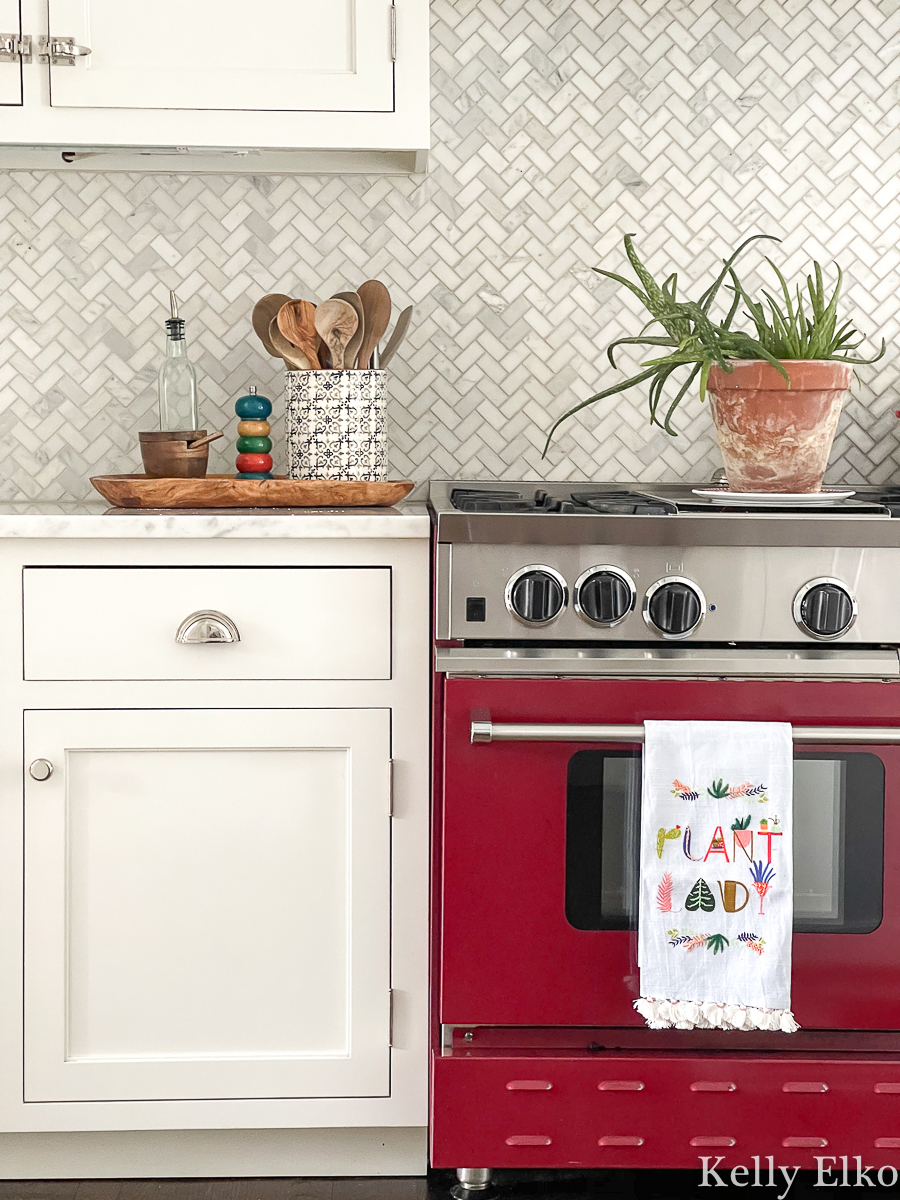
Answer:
[(824, 608), (674, 607), (604, 596), (536, 595)]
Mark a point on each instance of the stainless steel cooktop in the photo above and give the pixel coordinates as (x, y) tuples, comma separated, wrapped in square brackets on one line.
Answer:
[(576, 564)]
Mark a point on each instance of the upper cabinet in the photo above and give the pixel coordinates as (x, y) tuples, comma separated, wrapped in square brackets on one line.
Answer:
[(10, 57), (254, 85)]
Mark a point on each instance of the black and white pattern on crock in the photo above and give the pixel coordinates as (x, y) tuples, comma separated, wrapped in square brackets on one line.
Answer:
[(335, 424)]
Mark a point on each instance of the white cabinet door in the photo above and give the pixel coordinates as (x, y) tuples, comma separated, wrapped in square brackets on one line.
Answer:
[(10, 64), (207, 904), (286, 55)]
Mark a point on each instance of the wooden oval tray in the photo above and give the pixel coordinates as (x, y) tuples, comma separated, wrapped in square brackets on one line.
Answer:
[(225, 491)]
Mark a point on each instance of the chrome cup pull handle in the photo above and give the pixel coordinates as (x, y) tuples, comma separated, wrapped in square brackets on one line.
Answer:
[(206, 626)]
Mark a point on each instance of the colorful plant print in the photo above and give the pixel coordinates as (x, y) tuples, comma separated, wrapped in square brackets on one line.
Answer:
[(664, 893), (762, 875), (686, 846), (686, 793), (717, 942), (752, 941), (718, 790), (665, 835), (742, 822), (700, 897), (748, 789)]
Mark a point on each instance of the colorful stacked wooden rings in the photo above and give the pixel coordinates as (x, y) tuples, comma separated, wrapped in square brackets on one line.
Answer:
[(254, 446)]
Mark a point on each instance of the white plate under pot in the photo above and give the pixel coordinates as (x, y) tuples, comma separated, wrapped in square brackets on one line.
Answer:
[(773, 499)]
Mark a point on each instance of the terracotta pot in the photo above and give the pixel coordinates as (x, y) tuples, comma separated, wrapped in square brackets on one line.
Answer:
[(776, 437)]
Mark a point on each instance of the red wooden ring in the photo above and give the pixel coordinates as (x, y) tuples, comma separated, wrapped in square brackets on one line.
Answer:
[(253, 462)]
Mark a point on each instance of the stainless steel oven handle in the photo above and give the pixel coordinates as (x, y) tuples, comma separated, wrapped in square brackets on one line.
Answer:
[(846, 735)]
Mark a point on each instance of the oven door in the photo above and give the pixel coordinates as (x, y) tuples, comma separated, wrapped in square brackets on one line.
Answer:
[(540, 841)]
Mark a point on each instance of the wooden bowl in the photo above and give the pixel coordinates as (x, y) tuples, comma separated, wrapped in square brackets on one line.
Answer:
[(167, 454)]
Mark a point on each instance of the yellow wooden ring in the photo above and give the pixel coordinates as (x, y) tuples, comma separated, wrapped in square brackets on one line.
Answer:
[(253, 429)]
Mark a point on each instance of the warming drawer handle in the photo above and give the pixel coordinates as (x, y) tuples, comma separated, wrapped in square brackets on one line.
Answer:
[(489, 731)]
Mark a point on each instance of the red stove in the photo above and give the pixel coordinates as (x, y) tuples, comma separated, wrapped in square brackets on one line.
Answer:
[(565, 616)]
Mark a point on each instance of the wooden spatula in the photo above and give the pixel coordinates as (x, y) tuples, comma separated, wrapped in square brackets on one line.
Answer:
[(263, 312), (396, 337), (297, 321), (336, 323), (353, 299), (376, 302), (293, 359)]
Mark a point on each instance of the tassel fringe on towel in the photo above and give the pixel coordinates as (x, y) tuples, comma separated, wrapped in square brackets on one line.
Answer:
[(688, 1014)]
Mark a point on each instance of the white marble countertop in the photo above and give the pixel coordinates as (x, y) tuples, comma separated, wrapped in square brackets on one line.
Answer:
[(92, 519)]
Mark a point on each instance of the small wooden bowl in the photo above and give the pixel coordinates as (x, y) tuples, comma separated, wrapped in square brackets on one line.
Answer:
[(167, 454)]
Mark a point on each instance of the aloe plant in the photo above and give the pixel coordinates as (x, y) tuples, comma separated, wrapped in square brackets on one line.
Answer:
[(694, 340)]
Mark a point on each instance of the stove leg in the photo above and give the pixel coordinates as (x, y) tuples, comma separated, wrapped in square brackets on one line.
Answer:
[(474, 1179)]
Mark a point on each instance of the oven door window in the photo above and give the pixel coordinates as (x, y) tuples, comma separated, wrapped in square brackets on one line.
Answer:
[(838, 861)]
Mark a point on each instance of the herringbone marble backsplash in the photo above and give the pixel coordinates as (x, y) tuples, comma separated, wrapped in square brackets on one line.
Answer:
[(558, 126)]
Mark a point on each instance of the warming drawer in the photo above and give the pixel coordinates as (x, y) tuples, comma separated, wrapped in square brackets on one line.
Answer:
[(659, 1110), (293, 622)]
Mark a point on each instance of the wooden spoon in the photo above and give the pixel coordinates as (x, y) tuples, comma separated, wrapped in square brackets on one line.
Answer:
[(210, 437), (263, 312), (293, 359), (353, 299), (396, 337), (376, 302), (336, 323), (297, 321)]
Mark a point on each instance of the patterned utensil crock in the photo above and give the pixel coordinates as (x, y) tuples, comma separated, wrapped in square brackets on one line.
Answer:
[(335, 424)]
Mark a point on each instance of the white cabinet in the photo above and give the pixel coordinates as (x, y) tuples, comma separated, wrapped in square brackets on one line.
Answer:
[(10, 65), (249, 54), (258, 85), (207, 905), (214, 910)]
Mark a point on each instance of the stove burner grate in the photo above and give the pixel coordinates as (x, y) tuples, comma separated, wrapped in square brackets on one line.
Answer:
[(623, 503), (476, 500)]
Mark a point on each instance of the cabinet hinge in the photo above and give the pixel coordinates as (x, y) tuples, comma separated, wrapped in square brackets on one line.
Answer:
[(390, 787), (391, 1018), (393, 33), (13, 47)]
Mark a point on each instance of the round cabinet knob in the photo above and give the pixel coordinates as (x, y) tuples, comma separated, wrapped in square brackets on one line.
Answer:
[(604, 596), (536, 595), (824, 608), (41, 769), (674, 607)]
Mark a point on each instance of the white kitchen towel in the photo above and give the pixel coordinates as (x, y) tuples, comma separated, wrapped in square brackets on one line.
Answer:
[(716, 896)]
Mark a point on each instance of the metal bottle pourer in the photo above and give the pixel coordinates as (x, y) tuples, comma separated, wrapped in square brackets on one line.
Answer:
[(173, 305)]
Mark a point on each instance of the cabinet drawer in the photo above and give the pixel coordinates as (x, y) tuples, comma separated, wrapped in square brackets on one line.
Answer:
[(293, 622)]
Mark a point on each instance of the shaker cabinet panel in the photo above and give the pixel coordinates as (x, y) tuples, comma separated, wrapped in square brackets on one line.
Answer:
[(123, 622), (10, 65), (306, 55), (207, 904)]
